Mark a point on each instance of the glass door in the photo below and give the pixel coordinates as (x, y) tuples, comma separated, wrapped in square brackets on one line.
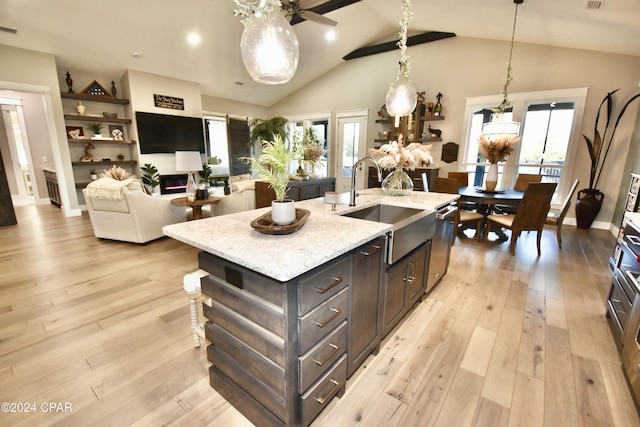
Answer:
[(351, 147)]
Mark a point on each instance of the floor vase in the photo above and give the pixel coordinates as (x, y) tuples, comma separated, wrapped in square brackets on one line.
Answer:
[(588, 204)]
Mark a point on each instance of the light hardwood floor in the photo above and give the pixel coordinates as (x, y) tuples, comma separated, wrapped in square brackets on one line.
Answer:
[(503, 341)]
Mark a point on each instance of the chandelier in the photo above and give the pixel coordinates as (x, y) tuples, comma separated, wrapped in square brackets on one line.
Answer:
[(402, 97), (269, 46), (498, 125)]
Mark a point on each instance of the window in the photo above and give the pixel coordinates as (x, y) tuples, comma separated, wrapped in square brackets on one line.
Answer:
[(320, 130), (549, 136), (217, 144)]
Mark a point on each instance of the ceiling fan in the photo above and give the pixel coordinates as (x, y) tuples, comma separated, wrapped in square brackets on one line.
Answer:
[(300, 10)]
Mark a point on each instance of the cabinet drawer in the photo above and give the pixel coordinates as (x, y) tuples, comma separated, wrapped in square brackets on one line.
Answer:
[(321, 356), (321, 393), (322, 285), (619, 302), (319, 322)]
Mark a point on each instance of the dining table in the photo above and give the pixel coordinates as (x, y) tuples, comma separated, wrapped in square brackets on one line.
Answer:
[(486, 200)]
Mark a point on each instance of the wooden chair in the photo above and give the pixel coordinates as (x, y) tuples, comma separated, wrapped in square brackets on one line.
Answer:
[(463, 181), (462, 177), (523, 180), (556, 219), (462, 217), (530, 216)]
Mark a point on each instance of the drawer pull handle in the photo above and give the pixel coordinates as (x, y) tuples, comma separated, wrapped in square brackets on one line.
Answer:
[(335, 314), (321, 400), (334, 351), (376, 248), (336, 280)]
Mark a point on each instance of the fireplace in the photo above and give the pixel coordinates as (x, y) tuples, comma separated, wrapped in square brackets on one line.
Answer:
[(171, 184)]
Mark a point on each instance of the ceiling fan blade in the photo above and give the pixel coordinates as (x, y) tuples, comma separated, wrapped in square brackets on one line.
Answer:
[(309, 4), (316, 17)]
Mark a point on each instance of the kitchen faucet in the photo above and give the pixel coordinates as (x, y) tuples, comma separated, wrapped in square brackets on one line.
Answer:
[(352, 193)]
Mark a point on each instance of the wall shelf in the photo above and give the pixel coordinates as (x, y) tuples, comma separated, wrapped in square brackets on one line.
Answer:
[(106, 163), (101, 141), (96, 119), (93, 98)]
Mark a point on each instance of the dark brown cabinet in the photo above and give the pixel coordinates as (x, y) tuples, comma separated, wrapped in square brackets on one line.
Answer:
[(298, 190), (404, 284), (364, 330), (281, 351), (51, 179)]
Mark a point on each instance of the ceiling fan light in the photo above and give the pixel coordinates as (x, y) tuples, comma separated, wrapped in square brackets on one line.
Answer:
[(269, 48), (401, 98)]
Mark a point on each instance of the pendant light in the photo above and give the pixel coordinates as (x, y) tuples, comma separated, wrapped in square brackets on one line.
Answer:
[(402, 97), (498, 126), (269, 46)]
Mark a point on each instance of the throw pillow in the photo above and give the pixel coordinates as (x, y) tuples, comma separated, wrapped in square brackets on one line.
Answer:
[(238, 178)]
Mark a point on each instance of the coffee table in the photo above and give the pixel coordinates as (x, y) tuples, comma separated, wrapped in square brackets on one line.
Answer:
[(196, 205)]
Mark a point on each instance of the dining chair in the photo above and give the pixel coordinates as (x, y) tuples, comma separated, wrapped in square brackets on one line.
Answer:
[(462, 217), (530, 215), (463, 181), (522, 182), (556, 218)]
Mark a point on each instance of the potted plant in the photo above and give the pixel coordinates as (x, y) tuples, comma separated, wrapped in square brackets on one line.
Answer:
[(263, 130), (589, 200), (150, 176), (273, 166), (96, 128), (93, 174), (205, 175)]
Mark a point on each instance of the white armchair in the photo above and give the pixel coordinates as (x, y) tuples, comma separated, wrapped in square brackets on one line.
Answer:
[(136, 217)]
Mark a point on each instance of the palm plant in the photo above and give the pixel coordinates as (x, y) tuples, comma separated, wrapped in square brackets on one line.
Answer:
[(599, 146), (273, 165)]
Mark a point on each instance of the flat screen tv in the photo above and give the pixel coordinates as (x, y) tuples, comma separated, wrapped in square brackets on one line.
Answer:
[(161, 133)]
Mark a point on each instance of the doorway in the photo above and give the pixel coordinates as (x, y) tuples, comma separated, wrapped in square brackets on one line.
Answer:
[(16, 152), (352, 137)]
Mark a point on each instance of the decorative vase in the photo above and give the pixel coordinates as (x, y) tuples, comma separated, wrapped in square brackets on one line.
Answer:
[(284, 212), (397, 183), (491, 180), (588, 204)]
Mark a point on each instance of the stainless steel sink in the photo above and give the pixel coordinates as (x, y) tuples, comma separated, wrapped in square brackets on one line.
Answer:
[(411, 227)]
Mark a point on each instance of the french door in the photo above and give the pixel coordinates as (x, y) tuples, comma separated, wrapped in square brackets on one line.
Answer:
[(352, 130)]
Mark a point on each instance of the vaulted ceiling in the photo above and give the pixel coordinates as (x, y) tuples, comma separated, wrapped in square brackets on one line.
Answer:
[(108, 37)]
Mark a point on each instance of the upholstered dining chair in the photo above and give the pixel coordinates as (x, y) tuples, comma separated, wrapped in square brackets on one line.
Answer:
[(462, 217), (530, 215), (556, 218)]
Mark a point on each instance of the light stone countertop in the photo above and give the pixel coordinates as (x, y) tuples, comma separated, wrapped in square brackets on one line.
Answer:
[(325, 236)]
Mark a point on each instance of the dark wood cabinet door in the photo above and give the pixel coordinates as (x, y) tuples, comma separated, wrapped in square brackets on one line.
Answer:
[(364, 334)]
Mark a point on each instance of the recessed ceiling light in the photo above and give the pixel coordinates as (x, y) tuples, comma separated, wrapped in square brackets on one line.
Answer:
[(330, 35), (136, 54), (193, 39)]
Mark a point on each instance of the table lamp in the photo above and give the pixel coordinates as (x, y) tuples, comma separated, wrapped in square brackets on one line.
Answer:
[(189, 161)]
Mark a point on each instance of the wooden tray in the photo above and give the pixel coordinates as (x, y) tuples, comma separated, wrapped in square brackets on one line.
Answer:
[(265, 225)]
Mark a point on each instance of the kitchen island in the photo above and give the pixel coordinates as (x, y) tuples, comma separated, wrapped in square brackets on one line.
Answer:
[(292, 316)]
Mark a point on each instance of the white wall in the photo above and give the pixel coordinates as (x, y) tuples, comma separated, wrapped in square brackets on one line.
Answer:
[(462, 67), (35, 72)]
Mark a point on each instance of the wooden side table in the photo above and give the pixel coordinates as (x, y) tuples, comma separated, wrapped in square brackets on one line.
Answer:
[(196, 205)]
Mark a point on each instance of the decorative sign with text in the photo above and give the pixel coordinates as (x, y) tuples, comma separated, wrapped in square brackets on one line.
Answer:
[(449, 152), (171, 102)]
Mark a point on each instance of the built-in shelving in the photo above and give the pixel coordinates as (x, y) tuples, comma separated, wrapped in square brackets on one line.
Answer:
[(102, 141), (93, 98)]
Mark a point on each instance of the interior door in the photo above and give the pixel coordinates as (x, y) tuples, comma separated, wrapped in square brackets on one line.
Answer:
[(352, 131)]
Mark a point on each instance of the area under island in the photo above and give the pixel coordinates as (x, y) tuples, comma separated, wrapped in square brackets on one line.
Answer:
[(292, 316)]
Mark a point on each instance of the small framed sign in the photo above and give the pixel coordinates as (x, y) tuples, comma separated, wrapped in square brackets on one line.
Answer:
[(171, 102), (449, 152)]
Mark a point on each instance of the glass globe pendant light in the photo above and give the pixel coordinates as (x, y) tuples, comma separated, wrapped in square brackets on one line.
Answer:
[(402, 97), (269, 46)]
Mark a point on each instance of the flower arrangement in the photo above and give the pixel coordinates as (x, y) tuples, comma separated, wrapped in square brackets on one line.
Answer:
[(497, 150), (395, 155)]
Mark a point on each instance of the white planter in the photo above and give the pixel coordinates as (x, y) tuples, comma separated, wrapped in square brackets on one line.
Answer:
[(283, 213)]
